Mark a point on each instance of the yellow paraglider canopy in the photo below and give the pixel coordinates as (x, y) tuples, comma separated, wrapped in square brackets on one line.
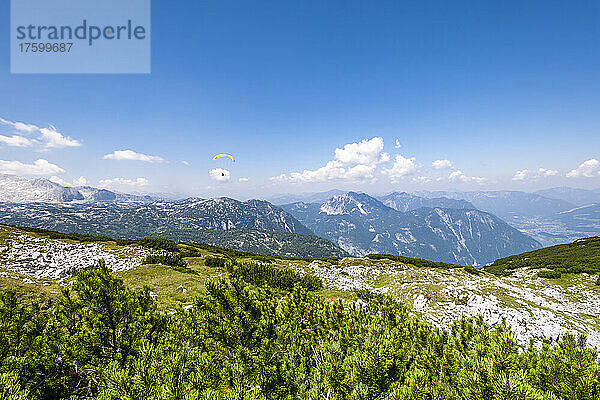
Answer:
[(223, 155)]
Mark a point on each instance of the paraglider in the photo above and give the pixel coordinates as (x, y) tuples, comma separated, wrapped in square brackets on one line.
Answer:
[(221, 174), (223, 155)]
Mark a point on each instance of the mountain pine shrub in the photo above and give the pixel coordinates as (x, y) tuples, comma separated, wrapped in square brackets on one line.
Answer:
[(215, 262), (103, 340), (549, 274), (173, 260)]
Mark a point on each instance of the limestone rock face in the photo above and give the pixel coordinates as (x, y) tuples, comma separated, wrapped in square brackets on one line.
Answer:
[(361, 224), (533, 307)]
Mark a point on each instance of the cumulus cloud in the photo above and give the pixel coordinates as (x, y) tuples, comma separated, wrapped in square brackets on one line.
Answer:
[(115, 182), (55, 139), (48, 138), (76, 182), (421, 179), (39, 167), (81, 181), (442, 164), (59, 180), (586, 169), (20, 126), (243, 180), (402, 167), (459, 176), (532, 175), (353, 161), (220, 174), (397, 145), (365, 152), (132, 155), (16, 141)]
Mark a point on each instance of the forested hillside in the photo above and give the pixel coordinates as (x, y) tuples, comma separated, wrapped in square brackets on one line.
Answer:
[(581, 256)]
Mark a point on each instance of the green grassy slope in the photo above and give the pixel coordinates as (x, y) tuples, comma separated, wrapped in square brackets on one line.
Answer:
[(247, 339), (581, 256)]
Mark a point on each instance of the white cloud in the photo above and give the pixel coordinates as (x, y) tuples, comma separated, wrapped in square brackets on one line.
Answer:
[(124, 182), (461, 177), (81, 181), (76, 182), (131, 155), (55, 139), (364, 152), (442, 164), (243, 180), (361, 171), (532, 175), (402, 167), (220, 174), (586, 169), (16, 141), (39, 167), (353, 161), (48, 138), (397, 145), (421, 179), (58, 180), (279, 178), (20, 126)]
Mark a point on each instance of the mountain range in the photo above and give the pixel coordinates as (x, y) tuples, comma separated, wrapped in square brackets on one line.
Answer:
[(20, 190), (462, 227), (551, 216), (254, 225), (313, 197), (506, 203), (406, 202), (577, 197), (132, 220), (361, 224)]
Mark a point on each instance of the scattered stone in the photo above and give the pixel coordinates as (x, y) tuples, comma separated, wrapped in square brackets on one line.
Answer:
[(54, 259), (531, 306), (183, 290)]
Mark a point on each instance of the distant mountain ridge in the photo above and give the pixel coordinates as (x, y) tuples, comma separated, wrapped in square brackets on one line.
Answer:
[(14, 189), (253, 225), (402, 201), (583, 218), (315, 197), (361, 224), (153, 218), (506, 203), (578, 197), (550, 216)]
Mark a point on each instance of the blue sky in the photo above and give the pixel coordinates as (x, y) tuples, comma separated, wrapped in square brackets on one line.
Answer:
[(498, 89)]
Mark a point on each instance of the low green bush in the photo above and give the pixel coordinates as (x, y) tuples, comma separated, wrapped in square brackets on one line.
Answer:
[(175, 261), (472, 270), (549, 274), (102, 340), (216, 262), (279, 278), (417, 262), (580, 256)]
